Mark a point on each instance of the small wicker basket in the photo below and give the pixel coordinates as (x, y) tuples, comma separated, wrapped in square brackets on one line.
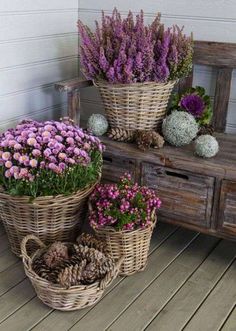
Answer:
[(54, 296), (49, 218), (132, 245), (138, 106)]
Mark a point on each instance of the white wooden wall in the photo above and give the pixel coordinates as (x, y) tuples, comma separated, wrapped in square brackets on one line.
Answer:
[(38, 46), (213, 20)]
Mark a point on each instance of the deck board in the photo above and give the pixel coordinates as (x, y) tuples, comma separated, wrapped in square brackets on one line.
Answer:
[(189, 280), (184, 304)]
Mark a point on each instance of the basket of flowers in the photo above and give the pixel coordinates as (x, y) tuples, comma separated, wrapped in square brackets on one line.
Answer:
[(123, 215), (69, 276), (47, 171), (135, 66)]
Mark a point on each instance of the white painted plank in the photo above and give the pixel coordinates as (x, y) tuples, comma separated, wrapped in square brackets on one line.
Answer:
[(215, 309), (201, 8), (130, 288), (54, 112), (230, 324), (195, 290), (65, 321), (142, 310), (30, 101), (40, 24), (29, 5), (36, 75), (36, 50)]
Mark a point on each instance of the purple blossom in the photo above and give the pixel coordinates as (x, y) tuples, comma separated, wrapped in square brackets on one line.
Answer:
[(193, 104)]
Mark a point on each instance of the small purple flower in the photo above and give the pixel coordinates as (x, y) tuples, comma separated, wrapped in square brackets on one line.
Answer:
[(193, 104)]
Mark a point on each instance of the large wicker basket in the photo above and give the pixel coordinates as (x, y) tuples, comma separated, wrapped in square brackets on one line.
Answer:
[(73, 298), (133, 246), (49, 218), (139, 106)]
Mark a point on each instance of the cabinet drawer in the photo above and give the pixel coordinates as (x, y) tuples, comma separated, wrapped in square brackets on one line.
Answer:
[(227, 211), (114, 167), (186, 197)]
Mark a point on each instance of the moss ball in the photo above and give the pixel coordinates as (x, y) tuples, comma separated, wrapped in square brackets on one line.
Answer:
[(206, 146), (97, 124), (179, 128)]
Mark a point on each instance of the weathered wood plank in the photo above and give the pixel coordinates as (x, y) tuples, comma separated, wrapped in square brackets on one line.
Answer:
[(15, 298), (4, 243), (70, 85), (211, 315), (215, 53), (184, 304), (7, 259), (164, 287), (129, 289), (66, 321), (10, 277), (230, 324), (221, 100)]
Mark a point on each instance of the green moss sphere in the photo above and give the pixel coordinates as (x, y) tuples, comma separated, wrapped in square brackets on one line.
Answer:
[(206, 146), (179, 128), (97, 124)]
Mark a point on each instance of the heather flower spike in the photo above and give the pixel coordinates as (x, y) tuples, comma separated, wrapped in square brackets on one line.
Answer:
[(125, 50)]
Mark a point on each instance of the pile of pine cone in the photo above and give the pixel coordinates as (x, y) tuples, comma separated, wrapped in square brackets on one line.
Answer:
[(143, 139), (68, 265)]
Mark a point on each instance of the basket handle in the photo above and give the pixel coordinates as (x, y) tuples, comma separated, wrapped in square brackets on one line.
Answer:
[(111, 275), (26, 258)]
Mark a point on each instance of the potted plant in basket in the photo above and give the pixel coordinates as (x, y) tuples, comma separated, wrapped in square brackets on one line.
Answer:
[(47, 170), (124, 215), (135, 67)]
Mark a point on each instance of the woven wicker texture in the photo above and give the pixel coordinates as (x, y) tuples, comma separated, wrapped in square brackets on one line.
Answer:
[(132, 245), (76, 297), (49, 218), (135, 106)]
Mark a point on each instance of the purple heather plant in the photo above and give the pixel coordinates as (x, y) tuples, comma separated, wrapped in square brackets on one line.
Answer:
[(48, 158), (124, 206), (125, 50)]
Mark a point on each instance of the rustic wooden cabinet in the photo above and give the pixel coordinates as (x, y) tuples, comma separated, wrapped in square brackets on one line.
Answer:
[(227, 211), (186, 197)]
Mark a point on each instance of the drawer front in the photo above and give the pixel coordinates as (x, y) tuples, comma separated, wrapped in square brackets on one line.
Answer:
[(114, 167), (227, 210), (186, 197)]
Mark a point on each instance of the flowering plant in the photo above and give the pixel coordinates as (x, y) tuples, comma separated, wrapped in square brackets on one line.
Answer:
[(128, 51), (48, 158), (196, 102), (124, 206)]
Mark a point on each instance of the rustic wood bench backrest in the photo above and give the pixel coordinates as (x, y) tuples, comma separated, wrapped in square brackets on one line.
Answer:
[(221, 56)]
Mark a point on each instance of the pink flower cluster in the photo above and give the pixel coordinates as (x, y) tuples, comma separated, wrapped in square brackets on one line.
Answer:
[(33, 146), (125, 205)]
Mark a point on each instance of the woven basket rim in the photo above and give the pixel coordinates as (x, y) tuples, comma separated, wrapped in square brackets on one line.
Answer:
[(100, 83), (50, 197), (56, 287)]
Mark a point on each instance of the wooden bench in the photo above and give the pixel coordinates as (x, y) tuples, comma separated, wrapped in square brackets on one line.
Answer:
[(197, 193)]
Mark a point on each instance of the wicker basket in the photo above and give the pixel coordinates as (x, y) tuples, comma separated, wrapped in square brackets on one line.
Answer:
[(49, 218), (76, 297), (139, 106), (132, 245)]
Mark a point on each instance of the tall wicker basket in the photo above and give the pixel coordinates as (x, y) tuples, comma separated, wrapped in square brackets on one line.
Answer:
[(53, 295), (132, 245), (49, 218), (139, 106)]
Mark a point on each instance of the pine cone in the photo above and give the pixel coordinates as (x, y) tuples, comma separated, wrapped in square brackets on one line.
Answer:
[(55, 254), (147, 139), (206, 129), (40, 268), (118, 134), (87, 239), (71, 276)]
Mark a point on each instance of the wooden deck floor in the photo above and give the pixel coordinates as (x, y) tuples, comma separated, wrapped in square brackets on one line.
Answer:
[(189, 284)]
